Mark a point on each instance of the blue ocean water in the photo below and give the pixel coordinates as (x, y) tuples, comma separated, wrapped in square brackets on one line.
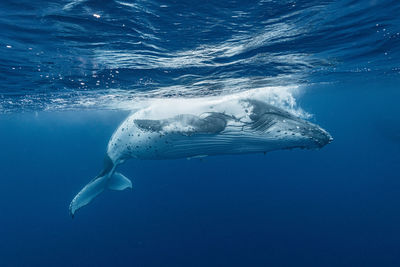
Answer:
[(71, 71)]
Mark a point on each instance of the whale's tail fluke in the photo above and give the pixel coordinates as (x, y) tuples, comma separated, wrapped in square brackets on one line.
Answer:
[(107, 179)]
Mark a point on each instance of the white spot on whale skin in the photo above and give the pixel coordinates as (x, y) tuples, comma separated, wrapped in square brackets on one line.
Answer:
[(97, 16)]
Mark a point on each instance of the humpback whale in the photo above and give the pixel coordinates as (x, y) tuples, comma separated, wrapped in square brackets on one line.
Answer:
[(188, 129)]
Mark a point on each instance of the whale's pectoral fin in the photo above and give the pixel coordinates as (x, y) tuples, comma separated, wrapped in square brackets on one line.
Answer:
[(95, 187)]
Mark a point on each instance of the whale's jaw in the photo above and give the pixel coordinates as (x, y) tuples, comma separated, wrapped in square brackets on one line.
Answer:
[(283, 130), (291, 132)]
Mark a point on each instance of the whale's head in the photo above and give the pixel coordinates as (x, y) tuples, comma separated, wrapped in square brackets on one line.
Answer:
[(292, 132), (284, 130)]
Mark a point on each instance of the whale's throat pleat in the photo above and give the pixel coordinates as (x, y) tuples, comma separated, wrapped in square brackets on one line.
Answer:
[(263, 123), (231, 141)]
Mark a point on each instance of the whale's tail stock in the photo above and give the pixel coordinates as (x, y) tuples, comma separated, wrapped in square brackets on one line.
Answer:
[(108, 178)]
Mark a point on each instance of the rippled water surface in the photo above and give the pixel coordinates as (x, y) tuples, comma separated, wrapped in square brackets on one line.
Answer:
[(98, 54)]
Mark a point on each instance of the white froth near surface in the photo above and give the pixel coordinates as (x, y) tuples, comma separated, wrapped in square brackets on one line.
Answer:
[(179, 98), (162, 108)]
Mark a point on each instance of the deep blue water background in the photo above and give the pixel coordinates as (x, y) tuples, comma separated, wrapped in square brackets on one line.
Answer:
[(65, 72)]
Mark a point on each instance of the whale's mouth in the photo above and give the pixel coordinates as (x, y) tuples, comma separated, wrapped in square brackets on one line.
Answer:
[(314, 143), (321, 137), (283, 127)]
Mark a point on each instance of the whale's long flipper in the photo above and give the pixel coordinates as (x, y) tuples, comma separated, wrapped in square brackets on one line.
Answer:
[(107, 179)]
